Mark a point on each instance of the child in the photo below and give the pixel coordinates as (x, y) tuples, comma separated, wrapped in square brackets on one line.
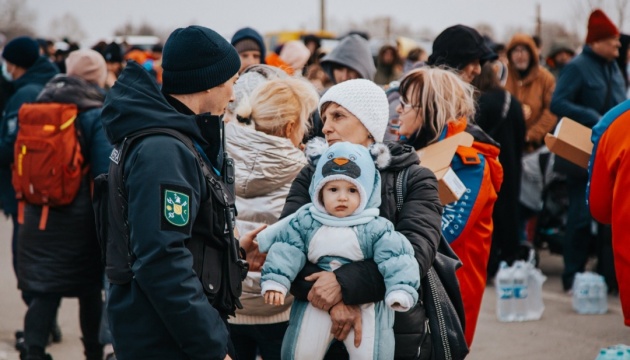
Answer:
[(339, 226)]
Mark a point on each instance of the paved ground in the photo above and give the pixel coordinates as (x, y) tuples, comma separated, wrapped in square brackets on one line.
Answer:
[(560, 334)]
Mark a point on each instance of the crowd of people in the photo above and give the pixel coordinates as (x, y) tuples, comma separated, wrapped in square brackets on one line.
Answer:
[(235, 202)]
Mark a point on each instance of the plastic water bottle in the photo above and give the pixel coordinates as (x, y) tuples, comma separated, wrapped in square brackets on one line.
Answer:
[(581, 288), (520, 291), (598, 294), (504, 285)]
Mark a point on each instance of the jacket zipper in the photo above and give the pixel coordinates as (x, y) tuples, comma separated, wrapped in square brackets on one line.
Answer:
[(441, 323)]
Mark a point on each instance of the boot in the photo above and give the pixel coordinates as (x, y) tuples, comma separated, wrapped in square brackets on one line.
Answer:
[(20, 345), (36, 353), (55, 333), (93, 350)]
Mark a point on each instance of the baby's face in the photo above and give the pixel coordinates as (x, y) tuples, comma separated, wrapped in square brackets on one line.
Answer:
[(340, 198)]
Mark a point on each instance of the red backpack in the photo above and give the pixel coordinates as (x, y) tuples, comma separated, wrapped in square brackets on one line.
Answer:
[(48, 163)]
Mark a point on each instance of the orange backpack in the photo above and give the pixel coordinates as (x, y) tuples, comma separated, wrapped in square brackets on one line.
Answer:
[(48, 163)]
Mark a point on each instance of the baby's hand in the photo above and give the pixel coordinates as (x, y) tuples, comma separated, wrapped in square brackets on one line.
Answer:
[(274, 298)]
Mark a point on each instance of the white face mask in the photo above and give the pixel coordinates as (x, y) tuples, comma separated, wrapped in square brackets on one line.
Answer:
[(5, 72)]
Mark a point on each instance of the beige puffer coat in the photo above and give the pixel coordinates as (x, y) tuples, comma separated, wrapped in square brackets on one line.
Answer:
[(265, 168)]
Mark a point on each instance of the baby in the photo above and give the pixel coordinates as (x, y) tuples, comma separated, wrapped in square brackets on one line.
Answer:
[(341, 225)]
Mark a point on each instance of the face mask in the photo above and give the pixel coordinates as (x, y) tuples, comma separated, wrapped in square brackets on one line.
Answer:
[(5, 73)]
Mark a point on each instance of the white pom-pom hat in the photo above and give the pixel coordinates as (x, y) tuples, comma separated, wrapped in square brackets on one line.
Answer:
[(365, 100)]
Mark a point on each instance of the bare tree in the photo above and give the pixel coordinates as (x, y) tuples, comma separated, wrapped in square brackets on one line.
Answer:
[(555, 34), (486, 29), (622, 10), (67, 27), (618, 10), (15, 18), (130, 29)]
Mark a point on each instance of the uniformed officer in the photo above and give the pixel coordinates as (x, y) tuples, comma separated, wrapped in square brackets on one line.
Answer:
[(171, 257)]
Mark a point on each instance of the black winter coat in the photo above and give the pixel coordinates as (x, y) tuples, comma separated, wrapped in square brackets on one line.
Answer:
[(163, 313), (510, 133), (65, 257), (419, 220)]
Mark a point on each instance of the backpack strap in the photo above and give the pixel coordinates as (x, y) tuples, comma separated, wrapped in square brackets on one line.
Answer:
[(118, 155), (116, 184), (504, 113)]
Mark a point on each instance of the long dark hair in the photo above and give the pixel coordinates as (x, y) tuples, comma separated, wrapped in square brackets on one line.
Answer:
[(488, 79)]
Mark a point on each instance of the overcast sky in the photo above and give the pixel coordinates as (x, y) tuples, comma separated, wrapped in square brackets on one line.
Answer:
[(98, 19)]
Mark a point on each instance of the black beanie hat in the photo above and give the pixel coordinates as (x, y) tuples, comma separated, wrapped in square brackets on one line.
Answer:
[(458, 46), (22, 51), (113, 53), (196, 59)]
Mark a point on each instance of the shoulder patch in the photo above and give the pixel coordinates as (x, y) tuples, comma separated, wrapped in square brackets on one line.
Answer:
[(175, 214)]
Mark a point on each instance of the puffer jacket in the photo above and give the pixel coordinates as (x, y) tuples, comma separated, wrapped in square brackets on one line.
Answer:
[(265, 168), (65, 257), (607, 195), (533, 90), (419, 220)]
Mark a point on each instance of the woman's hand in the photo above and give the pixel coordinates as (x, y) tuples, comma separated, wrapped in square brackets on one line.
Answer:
[(344, 318), (326, 292), (250, 245)]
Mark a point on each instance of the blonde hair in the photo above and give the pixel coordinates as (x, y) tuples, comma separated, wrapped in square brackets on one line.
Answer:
[(278, 102), (441, 95)]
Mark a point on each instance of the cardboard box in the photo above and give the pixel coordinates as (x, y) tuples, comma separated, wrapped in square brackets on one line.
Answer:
[(437, 158), (571, 141)]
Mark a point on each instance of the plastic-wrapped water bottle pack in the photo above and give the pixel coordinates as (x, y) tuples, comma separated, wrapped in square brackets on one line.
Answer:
[(590, 293), (616, 352), (519, 291)]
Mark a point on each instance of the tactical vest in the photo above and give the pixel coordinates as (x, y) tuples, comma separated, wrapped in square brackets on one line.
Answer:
[(217, 259)]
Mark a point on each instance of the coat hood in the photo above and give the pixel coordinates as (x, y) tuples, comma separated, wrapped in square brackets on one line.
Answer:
[(402, 156), (249, 33), (42, 71), (264, 163), (135, 103), (353, 52), (526, 40), (73, 90)]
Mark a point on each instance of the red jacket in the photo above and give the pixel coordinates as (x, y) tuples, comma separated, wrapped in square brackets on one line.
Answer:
[(467, 223), (609, 194)]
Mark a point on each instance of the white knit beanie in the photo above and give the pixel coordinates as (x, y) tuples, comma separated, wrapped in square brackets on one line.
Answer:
[(365, 100)]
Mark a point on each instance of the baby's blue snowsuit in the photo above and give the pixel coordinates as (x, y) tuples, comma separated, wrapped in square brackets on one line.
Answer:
[(312, 234)]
